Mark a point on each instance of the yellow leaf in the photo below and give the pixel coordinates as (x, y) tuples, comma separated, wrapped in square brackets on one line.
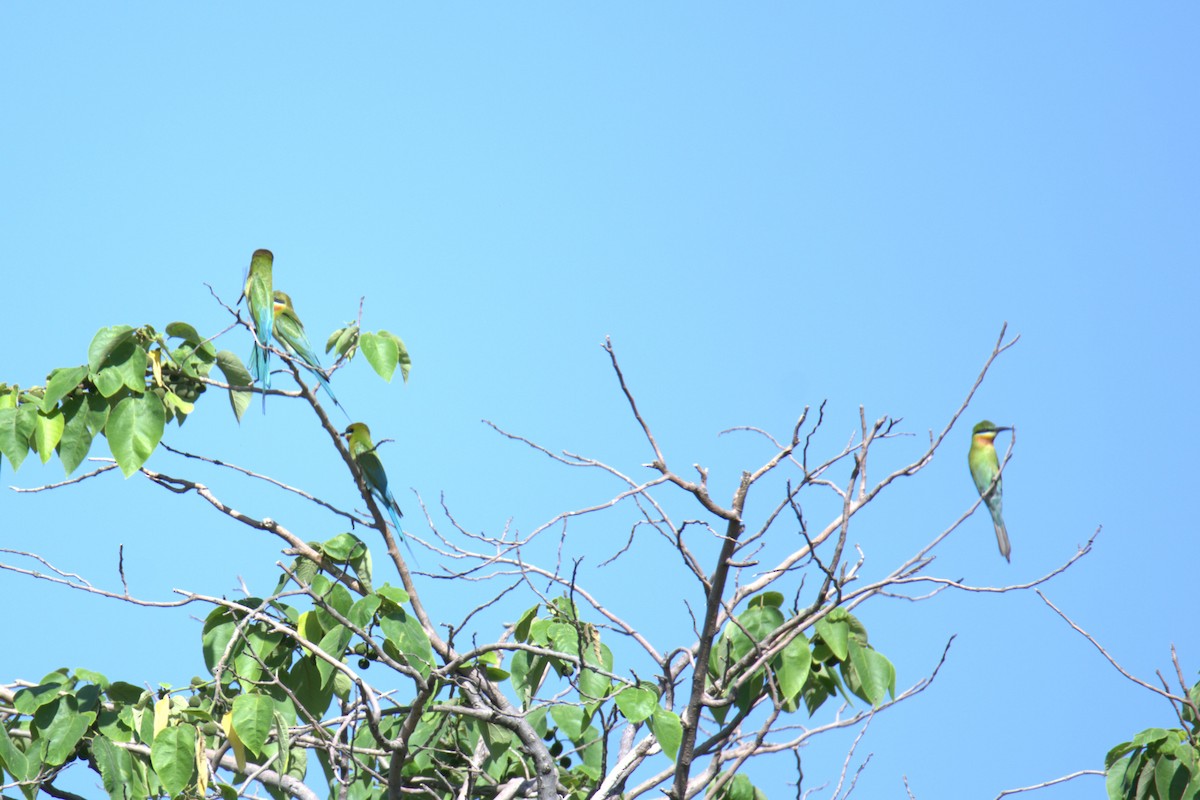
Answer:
[(239, 750), (156, 365), (162, 714), (201, 766)]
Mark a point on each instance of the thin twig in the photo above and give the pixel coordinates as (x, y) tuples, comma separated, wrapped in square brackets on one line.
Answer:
[(1044, 784), (1105, 653)]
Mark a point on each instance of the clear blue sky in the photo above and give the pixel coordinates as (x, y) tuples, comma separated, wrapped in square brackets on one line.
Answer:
[(764, 205)]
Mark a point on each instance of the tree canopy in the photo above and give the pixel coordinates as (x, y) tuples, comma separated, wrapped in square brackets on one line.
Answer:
[(342, 682)]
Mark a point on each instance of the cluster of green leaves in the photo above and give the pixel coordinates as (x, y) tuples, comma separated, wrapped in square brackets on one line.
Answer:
[(143, 743), (276, 669), (1159, 763), (132, 384), (838, 661), (383, 350), (266, 683), (445, 748), (58, 712), (737, 787), (588, 667), (135, 381), (747, 663)]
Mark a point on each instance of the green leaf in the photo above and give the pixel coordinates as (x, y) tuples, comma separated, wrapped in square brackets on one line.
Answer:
[(337, 597), (15, 762), (382, 353), (342, 685), (793, 667), (342, 546), (402, 358), (363, 610), (565, 608), (636, 704), (405, 633), (124, 366), (125, 693), (760, 622), (495, 738), (29, 699), (48, 432), (134, 430), (738, 787), (61, 383), (1192, 789), (591, 753), (246, 666), (88, 676), (393, 594), (1150, 736), (120, 779), (876, 675), (594, 686), (539, 632), (344, 340), (252, 718), (333, 643), (309, 627), (752, 626), (182, 330), (108, 382), (61, 726), (98, 410), (564, 638), (823, 684), (570, 720), (521, 629), (16, 429), (1170, 778), (236, 374), (284, 743), (528, 672), (668, 730), (178, 405), (173, 755), (750, 690), (305, 683), (105, 343), (219, 628), (1143, 781), (834, 631), (263, 640), (766, 600), (76, 438), (360, 562)]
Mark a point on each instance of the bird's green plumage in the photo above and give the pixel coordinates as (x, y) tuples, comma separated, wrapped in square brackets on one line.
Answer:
[(289, 330), (362, 450), (985, 468), (257, 292)]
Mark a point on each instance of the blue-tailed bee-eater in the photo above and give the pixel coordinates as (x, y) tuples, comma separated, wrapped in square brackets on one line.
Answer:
[(985, 471), (257, 292)]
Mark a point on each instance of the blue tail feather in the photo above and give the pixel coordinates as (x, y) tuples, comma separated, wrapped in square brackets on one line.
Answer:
[(260, 370)]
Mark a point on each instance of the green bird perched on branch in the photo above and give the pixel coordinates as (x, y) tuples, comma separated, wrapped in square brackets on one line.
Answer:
[(257, 292), (985, 471), (358, 437), (289, 330)]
